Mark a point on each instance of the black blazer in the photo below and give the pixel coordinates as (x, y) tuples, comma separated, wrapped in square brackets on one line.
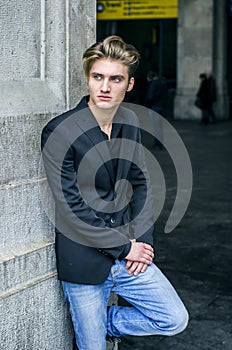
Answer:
[(94, 219)]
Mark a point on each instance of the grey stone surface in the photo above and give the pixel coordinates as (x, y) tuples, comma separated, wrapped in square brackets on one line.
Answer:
[(23, 222), (20, 148), (20, 41), (22, 270), (33, 318), (40, 77), (34, 47), (82, 21)]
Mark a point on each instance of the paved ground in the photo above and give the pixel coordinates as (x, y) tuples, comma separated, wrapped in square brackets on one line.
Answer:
[(197, 255)]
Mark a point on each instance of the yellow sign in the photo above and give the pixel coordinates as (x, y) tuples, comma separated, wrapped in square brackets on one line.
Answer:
[(136, 9)]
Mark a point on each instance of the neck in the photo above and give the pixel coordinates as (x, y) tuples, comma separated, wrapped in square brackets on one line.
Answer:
[(104, 118), (106, 128)]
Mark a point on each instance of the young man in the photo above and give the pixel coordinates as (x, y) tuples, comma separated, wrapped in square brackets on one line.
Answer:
[(104, 214)]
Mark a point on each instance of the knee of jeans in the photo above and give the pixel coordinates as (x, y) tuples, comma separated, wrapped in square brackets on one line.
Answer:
[(178, 322), (174, 323)]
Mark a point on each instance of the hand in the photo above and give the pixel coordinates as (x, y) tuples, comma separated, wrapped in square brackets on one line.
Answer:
[(135, 267), (140, 252), (140, 256)]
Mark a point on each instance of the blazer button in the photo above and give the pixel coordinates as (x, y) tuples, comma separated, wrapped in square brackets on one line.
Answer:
[(112, 221)]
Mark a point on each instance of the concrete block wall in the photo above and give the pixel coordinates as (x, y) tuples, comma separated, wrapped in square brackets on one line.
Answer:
[(40, 76)]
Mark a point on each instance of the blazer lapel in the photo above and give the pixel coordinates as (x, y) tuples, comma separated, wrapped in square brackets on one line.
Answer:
[(91, 129)]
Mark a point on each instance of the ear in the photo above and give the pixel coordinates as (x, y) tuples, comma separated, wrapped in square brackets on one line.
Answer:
[(87, 79), (131, 84)]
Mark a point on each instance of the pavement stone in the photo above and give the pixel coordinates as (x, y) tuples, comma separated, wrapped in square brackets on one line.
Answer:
[(197, 255)]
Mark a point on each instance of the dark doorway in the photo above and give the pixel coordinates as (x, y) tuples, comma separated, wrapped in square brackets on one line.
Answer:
[(156, 41)]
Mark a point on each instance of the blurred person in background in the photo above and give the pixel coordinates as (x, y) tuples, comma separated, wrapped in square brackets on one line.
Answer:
[(207, 96), (157, 99)]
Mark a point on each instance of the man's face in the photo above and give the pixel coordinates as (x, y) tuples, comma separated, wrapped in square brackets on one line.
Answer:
[(108, 83)]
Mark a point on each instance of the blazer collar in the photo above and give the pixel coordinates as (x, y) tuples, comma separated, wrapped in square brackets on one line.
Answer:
[(86, 119), (87, 122)]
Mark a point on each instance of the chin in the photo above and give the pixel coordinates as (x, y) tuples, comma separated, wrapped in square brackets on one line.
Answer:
[(106, 105)]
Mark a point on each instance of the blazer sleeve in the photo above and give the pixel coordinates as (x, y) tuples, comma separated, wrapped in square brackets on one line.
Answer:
[(74, 218)]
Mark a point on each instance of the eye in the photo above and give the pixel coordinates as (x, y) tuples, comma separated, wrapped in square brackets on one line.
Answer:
[(116, 79), (97, 77)]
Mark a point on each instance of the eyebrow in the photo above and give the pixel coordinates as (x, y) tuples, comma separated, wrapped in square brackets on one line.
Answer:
[(111, 76)]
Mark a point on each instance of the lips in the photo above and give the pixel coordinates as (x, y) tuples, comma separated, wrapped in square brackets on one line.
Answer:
[(104, 98)]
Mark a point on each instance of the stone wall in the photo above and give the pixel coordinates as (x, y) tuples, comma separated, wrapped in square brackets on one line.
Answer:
[(40, 76)]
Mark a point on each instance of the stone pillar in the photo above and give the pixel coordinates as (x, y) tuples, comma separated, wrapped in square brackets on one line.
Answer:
[(219, 62), (194, 53), (201, 46), (40, 76)]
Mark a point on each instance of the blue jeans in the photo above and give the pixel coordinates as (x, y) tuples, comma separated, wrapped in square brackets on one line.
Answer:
[(156, 307)]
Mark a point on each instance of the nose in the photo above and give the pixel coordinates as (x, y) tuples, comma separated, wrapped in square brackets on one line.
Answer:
[(105, 85)]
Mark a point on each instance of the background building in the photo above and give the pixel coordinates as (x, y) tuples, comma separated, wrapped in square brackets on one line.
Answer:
[(179, 40)]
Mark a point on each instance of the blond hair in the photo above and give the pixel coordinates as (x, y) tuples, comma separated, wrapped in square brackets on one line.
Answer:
[(115, 48)]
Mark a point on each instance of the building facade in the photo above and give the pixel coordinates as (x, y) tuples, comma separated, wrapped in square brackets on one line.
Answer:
[(179, 45)]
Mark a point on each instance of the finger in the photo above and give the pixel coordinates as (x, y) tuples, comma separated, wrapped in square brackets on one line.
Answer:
[(140, 268), (133, 267), (144, 267), (149, 253), (148, 256), (128, 264), (148, 247), (146, 260)]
